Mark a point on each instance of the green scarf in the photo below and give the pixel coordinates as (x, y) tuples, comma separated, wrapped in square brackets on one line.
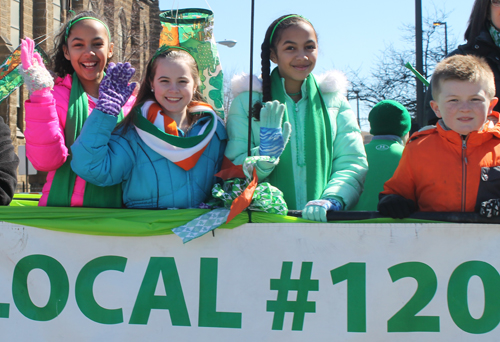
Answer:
[(318, 144), (64, 178), (495, 35)]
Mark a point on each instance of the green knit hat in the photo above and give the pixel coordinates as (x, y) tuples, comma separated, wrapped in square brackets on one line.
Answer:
[(389, 117)]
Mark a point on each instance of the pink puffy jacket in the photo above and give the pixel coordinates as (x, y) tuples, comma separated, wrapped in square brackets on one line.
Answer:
[(45, 122)]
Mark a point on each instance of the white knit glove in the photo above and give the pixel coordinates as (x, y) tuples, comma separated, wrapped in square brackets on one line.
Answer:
[(36, 77)]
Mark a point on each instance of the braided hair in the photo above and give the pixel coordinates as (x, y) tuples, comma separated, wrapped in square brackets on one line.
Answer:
[(274, 31)]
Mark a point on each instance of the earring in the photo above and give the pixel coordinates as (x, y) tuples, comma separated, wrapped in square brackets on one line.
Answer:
[(152, 90)]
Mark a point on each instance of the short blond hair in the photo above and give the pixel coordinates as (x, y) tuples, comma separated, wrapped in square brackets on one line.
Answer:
[(463, 68)]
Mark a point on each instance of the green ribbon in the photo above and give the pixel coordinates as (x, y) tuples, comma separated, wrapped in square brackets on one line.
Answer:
[(279, 22), (63, 183), (73, 22), (318, 144), (266, 197), (417, 74)]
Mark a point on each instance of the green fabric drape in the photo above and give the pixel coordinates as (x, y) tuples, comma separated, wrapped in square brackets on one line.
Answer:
[(138, 222)]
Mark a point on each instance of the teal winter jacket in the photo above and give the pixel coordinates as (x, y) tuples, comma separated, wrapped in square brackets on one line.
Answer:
[(349, 165), (148, 179)]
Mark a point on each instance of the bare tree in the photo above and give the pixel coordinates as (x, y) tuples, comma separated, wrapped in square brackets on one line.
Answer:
[(390, 79), (228, 94)]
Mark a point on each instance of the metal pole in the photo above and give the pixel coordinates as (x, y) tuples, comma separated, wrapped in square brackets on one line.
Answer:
[(250, 82), (419, 61), (446, 39), (21, 91), (357, 102), (347, 215)]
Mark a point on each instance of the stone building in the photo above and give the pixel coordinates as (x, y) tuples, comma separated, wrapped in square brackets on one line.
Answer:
[(135, 31)]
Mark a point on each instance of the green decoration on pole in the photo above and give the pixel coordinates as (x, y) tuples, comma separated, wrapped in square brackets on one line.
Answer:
[(192, 29), (10, 79), (417, 74)]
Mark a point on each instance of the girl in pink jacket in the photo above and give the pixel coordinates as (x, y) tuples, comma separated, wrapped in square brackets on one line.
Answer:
[(55, 113)]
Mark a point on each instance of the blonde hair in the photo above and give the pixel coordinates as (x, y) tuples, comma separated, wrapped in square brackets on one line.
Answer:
[(463, 68)]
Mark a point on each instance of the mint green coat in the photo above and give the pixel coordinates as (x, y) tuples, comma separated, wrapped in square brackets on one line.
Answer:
[(349, 165)]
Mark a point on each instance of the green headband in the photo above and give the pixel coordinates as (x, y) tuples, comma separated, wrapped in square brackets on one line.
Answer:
[(165, 48), (73, 22), (279, 22)]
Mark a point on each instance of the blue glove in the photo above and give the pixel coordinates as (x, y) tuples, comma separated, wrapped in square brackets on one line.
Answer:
[(316, 210), (272, 138), (114, 89)]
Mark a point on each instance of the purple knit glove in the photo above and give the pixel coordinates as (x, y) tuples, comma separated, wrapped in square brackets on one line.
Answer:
[(114, 89)]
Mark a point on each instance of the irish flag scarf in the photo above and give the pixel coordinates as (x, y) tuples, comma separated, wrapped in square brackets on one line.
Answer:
[(318, 144), (160, 134), (63, 183)]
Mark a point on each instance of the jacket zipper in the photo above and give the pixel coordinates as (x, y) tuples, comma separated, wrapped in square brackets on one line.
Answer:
[(464, 172), (189, 189), (156, 174)]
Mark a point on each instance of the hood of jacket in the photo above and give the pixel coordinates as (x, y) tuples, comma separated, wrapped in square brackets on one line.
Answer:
[(329, 82), (481, 45)]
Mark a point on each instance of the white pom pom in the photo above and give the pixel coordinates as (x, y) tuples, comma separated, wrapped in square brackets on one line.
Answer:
[(241, 83), (333, 81)]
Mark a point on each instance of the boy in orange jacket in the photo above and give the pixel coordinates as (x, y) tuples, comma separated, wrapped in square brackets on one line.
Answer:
[(453, 166)]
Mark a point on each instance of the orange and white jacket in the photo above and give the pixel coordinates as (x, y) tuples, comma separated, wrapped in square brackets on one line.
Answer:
[(441, 170)]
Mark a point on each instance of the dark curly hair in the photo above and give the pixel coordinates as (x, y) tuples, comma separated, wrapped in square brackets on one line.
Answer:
[(59, 64), (266, 48)]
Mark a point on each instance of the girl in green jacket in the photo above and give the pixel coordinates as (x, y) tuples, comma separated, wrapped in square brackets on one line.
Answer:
[(324, 165)]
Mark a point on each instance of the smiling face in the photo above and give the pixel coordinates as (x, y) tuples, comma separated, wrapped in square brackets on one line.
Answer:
[(173, 86), (88, 49), (463, 105), (295, 54)]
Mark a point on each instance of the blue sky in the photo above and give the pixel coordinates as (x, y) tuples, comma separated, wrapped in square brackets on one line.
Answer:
[(351, 33)]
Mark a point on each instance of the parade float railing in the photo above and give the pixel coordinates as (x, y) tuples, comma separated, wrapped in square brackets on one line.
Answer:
[(85, 274)]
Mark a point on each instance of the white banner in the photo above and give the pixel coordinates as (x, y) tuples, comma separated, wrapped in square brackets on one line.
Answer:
[(258, 282)]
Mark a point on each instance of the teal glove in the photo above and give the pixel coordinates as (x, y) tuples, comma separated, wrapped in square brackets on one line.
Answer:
[(316, 210), (272, 139), (271, 114)]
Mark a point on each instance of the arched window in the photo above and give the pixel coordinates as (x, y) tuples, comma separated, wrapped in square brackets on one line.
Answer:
[(15, 32), (122, 36), (56, 5), (94, 6), (119, 40), (15, 22), (145, 43)]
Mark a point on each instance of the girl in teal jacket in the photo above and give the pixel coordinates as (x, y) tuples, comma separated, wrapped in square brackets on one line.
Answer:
[(324, 165), (166, 152)]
